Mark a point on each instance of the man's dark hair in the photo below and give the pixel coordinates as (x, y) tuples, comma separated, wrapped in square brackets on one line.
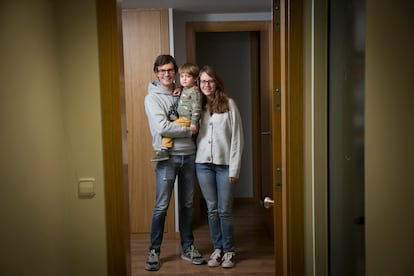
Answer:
[(164, 59)]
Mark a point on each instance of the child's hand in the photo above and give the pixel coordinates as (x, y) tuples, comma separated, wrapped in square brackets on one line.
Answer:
[(177, 91)]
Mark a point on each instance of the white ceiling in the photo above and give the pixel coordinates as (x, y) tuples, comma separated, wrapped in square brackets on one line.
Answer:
[(204, 6)]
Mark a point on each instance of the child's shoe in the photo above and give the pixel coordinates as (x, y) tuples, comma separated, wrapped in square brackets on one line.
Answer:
[(161, 156)]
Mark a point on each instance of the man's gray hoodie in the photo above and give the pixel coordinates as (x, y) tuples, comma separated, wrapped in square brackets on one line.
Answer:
[(160, 104)]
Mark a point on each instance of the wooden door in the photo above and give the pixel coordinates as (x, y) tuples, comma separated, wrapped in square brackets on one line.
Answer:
[(145, 36)]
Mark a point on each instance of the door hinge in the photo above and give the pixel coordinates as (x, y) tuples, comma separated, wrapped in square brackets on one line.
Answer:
[(279, 178), (278, 99), (276, 15)]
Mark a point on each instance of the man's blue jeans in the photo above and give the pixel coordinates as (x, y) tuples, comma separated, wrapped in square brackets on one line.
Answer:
[(218, 193), (182, 167)]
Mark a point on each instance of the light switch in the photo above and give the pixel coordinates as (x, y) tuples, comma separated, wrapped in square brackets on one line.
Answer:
[(86, 187)]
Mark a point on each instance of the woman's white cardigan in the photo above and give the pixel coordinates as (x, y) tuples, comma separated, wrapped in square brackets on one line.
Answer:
[(220, 139)]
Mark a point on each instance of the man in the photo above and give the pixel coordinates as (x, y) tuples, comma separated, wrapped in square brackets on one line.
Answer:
[(160, 107)]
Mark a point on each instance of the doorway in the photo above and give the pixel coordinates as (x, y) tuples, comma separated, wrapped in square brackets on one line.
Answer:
[(292, 133)]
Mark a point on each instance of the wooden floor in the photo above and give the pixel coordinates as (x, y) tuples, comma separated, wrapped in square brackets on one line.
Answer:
[(254, 248)]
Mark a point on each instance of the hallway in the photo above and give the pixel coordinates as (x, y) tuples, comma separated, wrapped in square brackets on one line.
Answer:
[(254, 248)]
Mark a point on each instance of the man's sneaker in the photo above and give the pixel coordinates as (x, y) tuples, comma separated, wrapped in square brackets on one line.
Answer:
[(192, 255), (215, 258), (153, 261), (160, 156), (229, 259)]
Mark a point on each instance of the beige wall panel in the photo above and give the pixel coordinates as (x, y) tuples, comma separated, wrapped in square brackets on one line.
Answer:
[(389, 136)]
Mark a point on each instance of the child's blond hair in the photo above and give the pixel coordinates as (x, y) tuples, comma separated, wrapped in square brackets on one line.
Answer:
[(189, 68)]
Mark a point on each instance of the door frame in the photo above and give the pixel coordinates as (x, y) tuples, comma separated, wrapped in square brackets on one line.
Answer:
[(109, 26), (292, 138)]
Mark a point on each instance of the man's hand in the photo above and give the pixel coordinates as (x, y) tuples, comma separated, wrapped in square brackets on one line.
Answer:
[(193, 128)]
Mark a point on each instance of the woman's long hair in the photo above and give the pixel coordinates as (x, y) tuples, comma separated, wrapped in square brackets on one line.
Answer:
[(220, 101)]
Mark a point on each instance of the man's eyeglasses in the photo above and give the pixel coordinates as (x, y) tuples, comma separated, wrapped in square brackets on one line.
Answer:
[(163, 72), (205, 82)]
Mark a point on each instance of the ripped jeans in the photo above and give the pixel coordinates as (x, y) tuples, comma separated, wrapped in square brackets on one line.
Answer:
[(182, 167)]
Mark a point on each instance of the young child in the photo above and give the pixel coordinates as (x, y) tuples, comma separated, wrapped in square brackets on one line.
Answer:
[(189, 107)]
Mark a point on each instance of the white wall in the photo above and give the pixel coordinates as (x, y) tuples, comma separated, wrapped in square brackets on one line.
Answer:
[(51, 137)]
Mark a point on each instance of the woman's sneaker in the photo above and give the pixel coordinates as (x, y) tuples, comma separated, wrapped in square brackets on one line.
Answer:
[(229, 259), (215, 258)]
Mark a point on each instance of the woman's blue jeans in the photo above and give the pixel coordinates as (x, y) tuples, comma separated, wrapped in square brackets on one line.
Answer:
[(182, 167), (218, 193)]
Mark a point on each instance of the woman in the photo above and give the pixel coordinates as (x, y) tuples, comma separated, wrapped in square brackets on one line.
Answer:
[(218, 159)]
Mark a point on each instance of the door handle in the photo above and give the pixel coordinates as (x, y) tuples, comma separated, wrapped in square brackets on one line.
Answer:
[(268, 202)]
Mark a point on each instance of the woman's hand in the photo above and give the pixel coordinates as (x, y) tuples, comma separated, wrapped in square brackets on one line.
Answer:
[(233, 180)]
